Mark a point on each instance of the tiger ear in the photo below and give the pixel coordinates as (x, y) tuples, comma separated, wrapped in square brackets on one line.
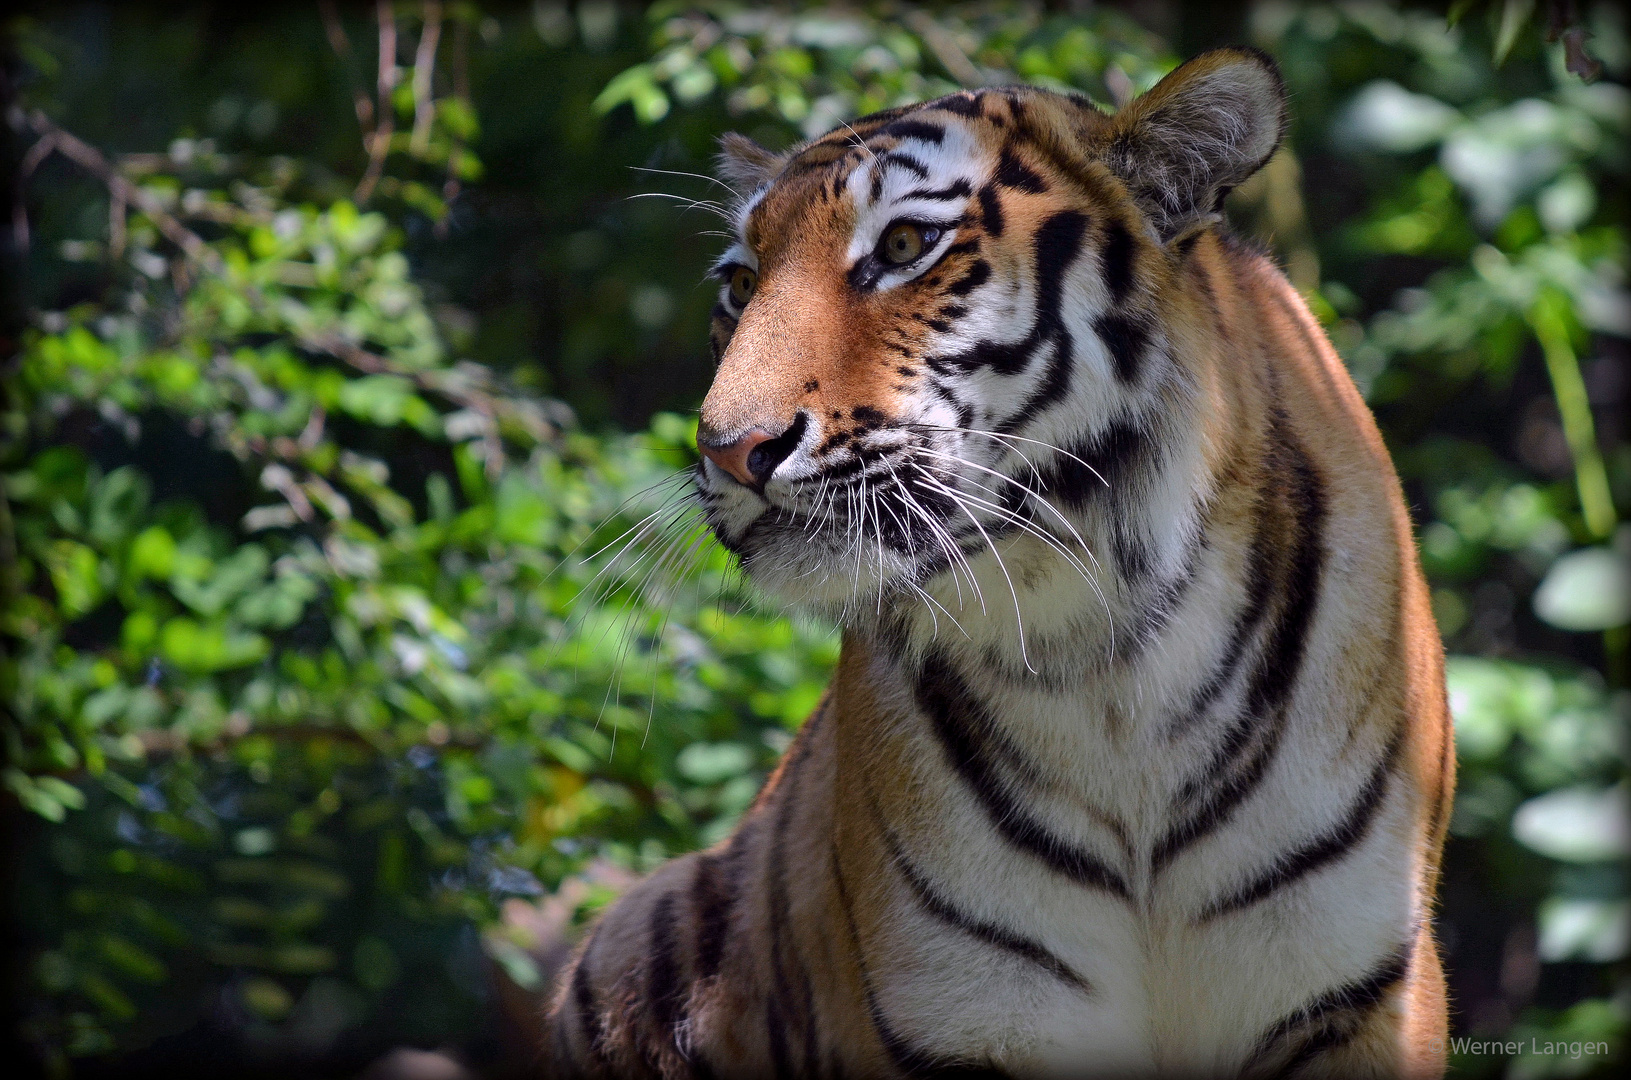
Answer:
[(1197, 134), (744, 164)]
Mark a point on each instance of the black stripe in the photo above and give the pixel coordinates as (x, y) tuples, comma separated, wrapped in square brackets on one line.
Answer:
[(1054, 386), (958, 190), (871, 122), (991, 210), (1306, 495), (713, 893), (776, 1035), (1161, 601), (965, 103), (812, 1044), (895, 159), (1014, 173), (776, 1008), (1259, 581), (1132, 556), (1117, 260), (1332, 1018), (912, 129), (583, 999), (991, 933), (1057, 242), (942, 695), (978, 274), (907, 1058), (1201, 272), (664, 989), (1113, 458), (1294, 865), (1250, 742), (1225, 795), (1125, 336)]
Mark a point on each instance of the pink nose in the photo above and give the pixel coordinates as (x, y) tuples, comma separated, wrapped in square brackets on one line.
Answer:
[(733, 456)]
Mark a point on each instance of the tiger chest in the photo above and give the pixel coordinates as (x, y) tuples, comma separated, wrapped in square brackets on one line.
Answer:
[(1069, 882)]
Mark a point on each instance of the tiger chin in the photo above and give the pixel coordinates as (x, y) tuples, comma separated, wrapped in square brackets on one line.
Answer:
[(1137, 758)]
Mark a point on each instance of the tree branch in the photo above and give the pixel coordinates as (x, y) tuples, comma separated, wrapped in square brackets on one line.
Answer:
[(945, 48), (341, 44), (380, 141), (91, 159), (424, 67)]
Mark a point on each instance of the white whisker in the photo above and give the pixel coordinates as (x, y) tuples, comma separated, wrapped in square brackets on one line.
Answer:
[(1019, 617), (1018, 438)]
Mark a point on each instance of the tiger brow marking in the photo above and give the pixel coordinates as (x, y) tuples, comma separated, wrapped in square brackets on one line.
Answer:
[(894, 159), (988, 932), (940, 692), (1292, 866), (958, 190), (911, 129)]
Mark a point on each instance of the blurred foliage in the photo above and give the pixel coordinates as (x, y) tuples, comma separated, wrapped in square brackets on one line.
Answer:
[(333, 644)]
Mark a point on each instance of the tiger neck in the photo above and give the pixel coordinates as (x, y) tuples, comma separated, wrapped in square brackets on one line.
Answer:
[(1098, 642)]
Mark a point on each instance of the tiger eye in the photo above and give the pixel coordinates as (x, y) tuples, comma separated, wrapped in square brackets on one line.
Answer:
[(743, 282), (903, 244)]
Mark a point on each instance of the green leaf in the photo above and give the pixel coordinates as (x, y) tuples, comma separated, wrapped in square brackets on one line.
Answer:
[(1576, 824), (1588, 589), (76, 574), (637, 87), (1514, 16), (152, 554), (207, 647)]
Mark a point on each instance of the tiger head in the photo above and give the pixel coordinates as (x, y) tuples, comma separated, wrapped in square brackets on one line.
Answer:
[(924, 312)]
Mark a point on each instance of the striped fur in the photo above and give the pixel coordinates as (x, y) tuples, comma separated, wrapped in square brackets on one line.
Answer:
[(1136, 760)]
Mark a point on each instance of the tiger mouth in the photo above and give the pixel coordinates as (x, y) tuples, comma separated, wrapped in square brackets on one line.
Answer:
[(887, 520)]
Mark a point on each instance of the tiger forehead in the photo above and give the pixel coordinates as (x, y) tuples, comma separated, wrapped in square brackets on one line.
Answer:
[(995, 123)]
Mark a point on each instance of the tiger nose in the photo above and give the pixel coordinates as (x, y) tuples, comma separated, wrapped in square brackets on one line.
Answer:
[(752, 456)]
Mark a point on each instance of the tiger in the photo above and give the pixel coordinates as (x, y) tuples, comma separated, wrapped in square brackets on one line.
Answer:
[(1136, 759)]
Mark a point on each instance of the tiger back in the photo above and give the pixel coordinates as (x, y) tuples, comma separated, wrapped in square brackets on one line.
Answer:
[(1137, 757)]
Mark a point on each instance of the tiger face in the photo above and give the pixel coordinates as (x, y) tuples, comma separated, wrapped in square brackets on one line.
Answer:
[(923, 311)]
